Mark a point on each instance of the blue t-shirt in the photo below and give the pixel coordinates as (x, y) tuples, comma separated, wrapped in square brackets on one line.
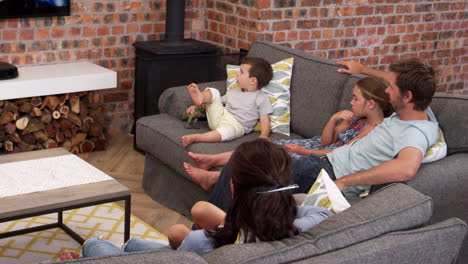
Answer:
[(382, 144)]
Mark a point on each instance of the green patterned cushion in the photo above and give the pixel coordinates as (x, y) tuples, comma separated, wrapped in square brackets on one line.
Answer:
[(436, 151), (277, 90), (324, 193)]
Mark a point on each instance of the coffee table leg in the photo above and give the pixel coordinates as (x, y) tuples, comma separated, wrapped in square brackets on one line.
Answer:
[(127, 219)]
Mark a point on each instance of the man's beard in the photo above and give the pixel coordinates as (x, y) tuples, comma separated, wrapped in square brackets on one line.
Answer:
[(398, 104)]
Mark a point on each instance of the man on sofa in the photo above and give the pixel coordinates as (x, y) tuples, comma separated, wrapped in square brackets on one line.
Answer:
[(392, 152)]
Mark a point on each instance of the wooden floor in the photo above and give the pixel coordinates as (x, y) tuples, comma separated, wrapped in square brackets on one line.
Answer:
[(126, 165)]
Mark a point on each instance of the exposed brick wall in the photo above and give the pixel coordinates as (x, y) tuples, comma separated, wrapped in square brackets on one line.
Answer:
[(373, 32), (101, 32)]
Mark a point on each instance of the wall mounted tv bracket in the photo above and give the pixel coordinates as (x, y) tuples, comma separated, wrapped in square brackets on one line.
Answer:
[(8, 71)]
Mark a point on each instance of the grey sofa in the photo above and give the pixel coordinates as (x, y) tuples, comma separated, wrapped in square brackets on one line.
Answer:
[(317, 91), (387, 227)]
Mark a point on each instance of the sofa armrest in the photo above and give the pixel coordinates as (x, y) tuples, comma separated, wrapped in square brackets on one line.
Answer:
[(174, 101)]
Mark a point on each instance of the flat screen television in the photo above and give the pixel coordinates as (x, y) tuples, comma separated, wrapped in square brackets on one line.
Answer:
[(34, 8)]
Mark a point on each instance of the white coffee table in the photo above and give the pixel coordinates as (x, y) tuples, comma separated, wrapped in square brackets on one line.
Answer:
[(58, 193)]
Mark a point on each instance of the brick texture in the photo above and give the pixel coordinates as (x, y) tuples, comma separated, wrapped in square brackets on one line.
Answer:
[(101, 32), (371, 32)]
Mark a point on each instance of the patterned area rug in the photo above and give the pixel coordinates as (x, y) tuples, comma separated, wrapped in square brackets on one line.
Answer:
[(106, 220)]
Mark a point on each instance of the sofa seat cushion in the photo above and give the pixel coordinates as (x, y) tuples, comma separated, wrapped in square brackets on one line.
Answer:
[(393, 208), (160, 135)]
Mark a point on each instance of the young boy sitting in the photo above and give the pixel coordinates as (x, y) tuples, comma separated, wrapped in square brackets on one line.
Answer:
[(243, 108)]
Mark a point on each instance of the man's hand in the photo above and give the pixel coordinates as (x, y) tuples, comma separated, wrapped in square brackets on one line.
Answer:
[(353, 67), (191, 110), (344, 115), (339, 183)]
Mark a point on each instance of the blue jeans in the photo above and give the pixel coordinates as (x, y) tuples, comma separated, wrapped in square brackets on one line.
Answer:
[(95, 247)]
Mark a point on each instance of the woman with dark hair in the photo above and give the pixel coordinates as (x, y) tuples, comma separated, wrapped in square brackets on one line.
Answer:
[(262, 208)]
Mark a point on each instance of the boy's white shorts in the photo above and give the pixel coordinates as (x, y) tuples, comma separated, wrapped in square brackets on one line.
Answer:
[(220, 119)]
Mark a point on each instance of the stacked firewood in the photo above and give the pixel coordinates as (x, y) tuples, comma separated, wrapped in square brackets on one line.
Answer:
[(70, 121)]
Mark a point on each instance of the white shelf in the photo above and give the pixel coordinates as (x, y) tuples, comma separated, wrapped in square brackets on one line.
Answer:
[(57, 79)]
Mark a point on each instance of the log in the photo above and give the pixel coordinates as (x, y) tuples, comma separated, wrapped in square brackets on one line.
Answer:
[(66, 144), (35, 111), (2, 103), (83, 110), (86, 146), (22, 123), (74, 118), (94, 98), (50, 130), (75, 150), (40, 136), (25, 107), (6, 117), (8, 145), (95, 130), (29, 138), (95, 113), (34, 125), (60, 137), (78, 138), (75, 104), (55, 114), (50, 143), (99, 144), (63, 99), (10, 128), (74, 130), (36, 101), (88, 120), (68, 133), (65, 124), (23, 146), (63, 109), (46, 116), (84, 128), (11, 107), (15, 138), (51, 102)]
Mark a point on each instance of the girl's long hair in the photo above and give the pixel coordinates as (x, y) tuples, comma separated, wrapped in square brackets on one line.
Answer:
[(257, 166)]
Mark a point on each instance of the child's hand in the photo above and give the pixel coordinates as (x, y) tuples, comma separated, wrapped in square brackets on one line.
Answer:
[(344, 115), (293, 148), (191, 110)]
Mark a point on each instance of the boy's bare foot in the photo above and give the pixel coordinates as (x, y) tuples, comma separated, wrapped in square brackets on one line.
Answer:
[(68, 255), (197, 96), (187, 140), (204, 162), (206, 179)]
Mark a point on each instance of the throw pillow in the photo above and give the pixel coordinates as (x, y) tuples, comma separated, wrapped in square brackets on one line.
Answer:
[(436, 151), (325, 193), (278, 92)]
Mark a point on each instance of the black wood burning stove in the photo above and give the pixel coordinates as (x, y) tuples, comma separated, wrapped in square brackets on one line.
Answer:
[(173, 61)]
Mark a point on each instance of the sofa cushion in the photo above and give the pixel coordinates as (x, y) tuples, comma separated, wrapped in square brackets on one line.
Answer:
[(437, 244), (446, 107), (160, 135), (316, 86), (393, 208)]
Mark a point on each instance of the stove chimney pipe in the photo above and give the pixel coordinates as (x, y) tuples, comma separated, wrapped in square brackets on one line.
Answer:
[(175, 13)]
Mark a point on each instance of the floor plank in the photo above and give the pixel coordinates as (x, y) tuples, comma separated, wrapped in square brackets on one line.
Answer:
[(126, 165)]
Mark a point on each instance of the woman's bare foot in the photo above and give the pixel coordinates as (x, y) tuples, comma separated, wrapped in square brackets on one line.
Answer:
[(68, 255), (205, 178), (187, 140), (203, 161), (197, 96)]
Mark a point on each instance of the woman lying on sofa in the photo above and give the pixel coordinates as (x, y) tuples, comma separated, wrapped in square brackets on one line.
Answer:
[(369, 105), (262, 209)]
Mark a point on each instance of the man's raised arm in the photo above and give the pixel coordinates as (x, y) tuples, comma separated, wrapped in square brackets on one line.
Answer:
[(401, 169), (357, 68)]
